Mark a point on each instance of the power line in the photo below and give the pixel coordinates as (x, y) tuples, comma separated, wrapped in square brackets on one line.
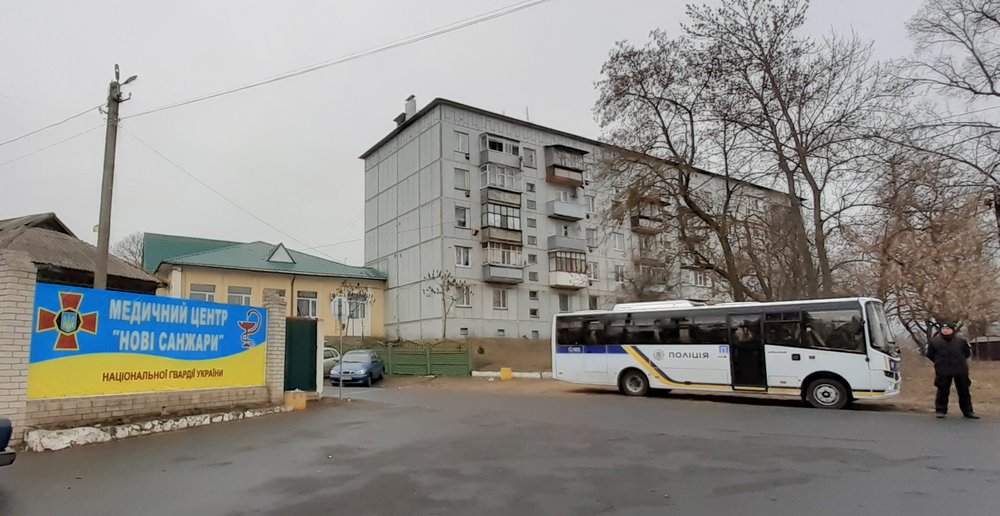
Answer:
[(47, 147), (216, 192), (78, 115), (444, 29)]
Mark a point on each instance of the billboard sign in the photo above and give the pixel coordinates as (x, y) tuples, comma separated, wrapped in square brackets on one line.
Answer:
[(88, 342)]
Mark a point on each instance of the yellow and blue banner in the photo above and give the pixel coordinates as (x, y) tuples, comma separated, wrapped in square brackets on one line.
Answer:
[(89, 342)]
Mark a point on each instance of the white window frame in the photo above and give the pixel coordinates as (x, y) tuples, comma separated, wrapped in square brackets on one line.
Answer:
[(569, 303), (532, 276), (499, 176), (532, 259), (498, 253), (500, 299), (701, 278), (311, 303), (529, 187), (591, 202), (464, 174), (533, 295), (532, 204), (618, 241), (201, 292), (468, 213), (533, 313), (459, 140), (532, 240), (501, 216), (532, 223), (463, 296), (591, 234), (593, 269), (512, 147), (244, 298), (463, 256), (618, 273)]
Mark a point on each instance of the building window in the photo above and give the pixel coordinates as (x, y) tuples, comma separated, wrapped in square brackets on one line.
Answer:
[(461, 217), (501, 332), (462, 142), (530, 187), (499, 216), (701, 279), (534, 334), (532, 223), (463, 296), (305, 304), (531, 204), (592, 270), (565, 230), (201, 292), (564, 305), (533, 313), (533, 295), (495, 143), (463, 332), (502, 254), (530, 159), (567, 261), (593, 302), (500, 176), (591, 203), (647, 244), (461, 179), (280, 292), (462, 256), (591, 237), (532, 240), (499, 299), (588, 175), (619, 275), (239, 296), (618, 241), (532, 259), (532, 276)]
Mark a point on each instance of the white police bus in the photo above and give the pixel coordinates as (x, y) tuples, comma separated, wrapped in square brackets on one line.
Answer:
[(828, 351)]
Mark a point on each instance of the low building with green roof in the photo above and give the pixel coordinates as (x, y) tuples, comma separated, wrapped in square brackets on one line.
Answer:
[(242, 273)]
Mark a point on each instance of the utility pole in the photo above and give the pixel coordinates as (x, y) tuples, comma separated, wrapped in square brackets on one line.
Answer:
[(107, 183)]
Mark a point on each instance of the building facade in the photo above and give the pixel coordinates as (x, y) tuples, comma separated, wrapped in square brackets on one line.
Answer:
[(512, 209), (242, 273)]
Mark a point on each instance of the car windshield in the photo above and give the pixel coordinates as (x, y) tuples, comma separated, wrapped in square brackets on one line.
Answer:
[(878, 328), (356, 358)]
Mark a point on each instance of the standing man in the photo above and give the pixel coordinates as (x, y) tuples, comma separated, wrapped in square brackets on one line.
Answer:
[(950, 354)]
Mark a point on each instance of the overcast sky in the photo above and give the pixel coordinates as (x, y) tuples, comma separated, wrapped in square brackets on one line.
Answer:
[(289, 151)]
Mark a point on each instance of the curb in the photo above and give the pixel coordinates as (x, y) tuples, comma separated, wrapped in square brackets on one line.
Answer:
[(53, 440), (543, 375)]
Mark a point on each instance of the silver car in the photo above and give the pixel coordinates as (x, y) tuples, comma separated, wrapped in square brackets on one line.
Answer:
[(331, 357)]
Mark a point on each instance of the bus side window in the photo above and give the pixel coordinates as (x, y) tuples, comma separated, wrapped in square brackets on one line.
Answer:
[(840, 330), (783, 329)]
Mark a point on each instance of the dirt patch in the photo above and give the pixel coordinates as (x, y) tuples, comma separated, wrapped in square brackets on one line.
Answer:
[(518, 354)]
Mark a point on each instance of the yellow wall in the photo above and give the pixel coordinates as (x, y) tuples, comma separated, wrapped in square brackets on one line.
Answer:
[(222, 279)]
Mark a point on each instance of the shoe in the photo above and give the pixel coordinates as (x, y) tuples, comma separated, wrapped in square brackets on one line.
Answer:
[(970, 416), (940, 415)]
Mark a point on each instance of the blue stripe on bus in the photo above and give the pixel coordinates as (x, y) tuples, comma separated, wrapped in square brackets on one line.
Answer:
[(613, 349)]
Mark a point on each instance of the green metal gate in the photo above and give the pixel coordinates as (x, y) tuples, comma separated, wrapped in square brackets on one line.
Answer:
[(300, 354)]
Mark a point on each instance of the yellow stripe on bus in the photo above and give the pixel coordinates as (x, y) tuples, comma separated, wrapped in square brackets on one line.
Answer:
[(653, 371)]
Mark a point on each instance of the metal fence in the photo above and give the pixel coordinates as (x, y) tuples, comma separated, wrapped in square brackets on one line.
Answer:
[(444, 358)]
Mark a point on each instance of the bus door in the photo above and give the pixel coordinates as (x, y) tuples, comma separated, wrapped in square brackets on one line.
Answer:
[(595, 359), (746, 352)]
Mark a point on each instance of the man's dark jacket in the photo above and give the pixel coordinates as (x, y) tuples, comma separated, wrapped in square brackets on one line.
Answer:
[(949, 355)]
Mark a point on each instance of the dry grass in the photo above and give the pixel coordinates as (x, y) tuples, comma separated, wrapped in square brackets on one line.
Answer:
[(519, 354)]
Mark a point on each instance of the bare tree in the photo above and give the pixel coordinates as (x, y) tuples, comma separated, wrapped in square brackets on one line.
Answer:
[(130, 249), (359, 301), (450, 289)]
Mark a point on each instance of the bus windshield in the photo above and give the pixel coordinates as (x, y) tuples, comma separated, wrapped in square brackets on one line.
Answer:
[(878, 328)]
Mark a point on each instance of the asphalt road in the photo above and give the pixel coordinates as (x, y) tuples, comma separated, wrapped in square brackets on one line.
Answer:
[(435, 451)]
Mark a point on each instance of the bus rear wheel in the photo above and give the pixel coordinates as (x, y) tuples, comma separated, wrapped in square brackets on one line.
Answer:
[(633, 383), (827, 393)]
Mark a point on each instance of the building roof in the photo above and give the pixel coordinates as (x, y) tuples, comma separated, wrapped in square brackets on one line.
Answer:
[(265, 257), (156, 248), (445, 102), (65, 251), (38, 220)]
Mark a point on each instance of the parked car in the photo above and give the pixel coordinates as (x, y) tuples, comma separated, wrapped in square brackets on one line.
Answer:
[(331, 357), (363, 366), (6, 456)]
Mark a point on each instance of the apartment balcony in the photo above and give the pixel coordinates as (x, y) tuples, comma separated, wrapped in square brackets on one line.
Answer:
[(565, 210), (496, 234), (564, 279), (563, 243), (647, 225), (500, 158), (502, 196), (502, 273), (560, 175)]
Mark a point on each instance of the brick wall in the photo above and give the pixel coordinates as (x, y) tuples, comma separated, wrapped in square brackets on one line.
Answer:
[(93, 409), (275, 373), (17, 301)]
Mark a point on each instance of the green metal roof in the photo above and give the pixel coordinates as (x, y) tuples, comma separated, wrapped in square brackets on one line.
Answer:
[(254, 257), (159, 248)]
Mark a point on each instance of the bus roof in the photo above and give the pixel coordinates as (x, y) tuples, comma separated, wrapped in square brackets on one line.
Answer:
[(678, 306)]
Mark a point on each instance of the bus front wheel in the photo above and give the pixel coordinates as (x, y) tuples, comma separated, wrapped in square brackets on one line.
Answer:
[(633, 383), (827, 393)]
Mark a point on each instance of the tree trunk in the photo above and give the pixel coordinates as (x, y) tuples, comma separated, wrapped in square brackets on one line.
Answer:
[(803, 257), (444, 317)]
